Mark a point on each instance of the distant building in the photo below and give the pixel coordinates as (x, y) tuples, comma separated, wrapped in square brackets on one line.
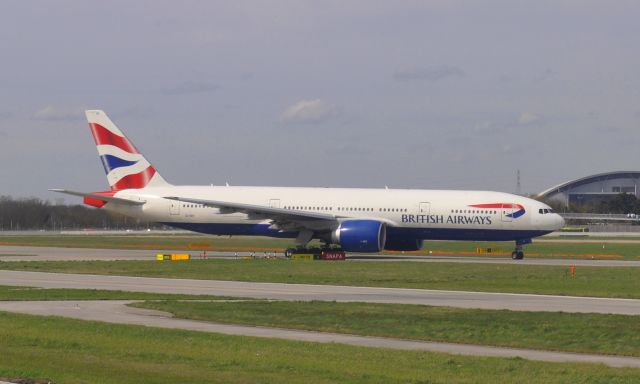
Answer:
[(593, 189)]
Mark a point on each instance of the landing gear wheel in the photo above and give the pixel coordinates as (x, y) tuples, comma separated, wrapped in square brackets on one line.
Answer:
[(518, 253)]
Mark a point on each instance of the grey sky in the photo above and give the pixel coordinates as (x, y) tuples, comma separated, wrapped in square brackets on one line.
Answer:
[(441, 94)]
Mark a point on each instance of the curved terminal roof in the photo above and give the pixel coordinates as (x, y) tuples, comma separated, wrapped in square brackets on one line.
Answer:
[(588, 180)]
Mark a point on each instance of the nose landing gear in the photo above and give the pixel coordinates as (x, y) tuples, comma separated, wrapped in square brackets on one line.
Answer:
[(518, 253)]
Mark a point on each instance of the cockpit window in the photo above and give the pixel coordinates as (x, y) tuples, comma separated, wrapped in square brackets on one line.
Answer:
[(544, 211)]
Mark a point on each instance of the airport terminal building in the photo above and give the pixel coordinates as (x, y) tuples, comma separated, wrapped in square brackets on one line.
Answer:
[(595, 188)]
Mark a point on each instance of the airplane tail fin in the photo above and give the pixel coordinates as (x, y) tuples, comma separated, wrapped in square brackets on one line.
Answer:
[(125, 166)]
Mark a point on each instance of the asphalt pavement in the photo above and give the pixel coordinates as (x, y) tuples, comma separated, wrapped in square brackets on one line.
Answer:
[(30, 253), (307, 292)]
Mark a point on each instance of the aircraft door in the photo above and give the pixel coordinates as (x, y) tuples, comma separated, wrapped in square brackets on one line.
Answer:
[(274, 203), (174, 207), (425, 208), (507, 213)]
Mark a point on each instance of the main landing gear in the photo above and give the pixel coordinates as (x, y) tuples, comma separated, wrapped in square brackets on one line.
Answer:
[(518, 253)]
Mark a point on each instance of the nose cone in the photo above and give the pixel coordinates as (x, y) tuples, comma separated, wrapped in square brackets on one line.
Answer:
[(559, 221)]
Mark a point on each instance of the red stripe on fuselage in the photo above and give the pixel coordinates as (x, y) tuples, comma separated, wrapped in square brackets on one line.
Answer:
[(103, 136), (135, 181), (498, 205)]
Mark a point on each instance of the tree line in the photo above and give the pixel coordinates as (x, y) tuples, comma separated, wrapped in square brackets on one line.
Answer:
[(26, 214)]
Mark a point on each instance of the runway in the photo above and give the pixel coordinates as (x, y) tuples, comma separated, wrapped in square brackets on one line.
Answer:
[(118, 312), (30, 253), (303, 292)]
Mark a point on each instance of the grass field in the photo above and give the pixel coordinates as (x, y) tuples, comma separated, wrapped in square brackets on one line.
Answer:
[(72, 351), (559, 247), (9, 293), (587, 333), (621, 282)]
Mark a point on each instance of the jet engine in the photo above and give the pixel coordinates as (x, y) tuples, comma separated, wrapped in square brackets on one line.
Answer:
[(403, 244), (360, 236)]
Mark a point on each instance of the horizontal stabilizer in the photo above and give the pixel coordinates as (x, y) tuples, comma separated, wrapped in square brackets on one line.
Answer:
[(99, 196)]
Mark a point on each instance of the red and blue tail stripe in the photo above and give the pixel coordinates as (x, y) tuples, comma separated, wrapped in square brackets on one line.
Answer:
[(110, 162), (125, 166), (136, 180), (102, 136)]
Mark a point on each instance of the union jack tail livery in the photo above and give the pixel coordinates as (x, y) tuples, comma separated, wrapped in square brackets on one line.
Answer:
[(125, 166)]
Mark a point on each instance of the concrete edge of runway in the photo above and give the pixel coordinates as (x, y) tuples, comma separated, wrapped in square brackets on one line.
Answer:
[(33, 253), (305, 292), (118, 312)]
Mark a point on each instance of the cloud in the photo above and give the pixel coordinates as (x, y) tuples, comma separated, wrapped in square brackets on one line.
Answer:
[(608, 129), (308, 112), (527, 118), (51, 113), (508, 149), (490, 126), (504, 125), (189, 87), (430, 74), (543, 76)]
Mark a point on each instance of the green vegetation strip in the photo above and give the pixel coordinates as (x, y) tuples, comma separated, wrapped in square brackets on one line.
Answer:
[(143, 241), (184, 242), (74, 351), (587, 333), (619, 282), (9, 293)]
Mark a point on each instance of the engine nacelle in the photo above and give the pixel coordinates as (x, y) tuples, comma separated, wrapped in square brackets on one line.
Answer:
[(360, 235), (403, 244)]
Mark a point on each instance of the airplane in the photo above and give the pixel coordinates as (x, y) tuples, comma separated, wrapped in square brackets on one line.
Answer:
[(353, 219)]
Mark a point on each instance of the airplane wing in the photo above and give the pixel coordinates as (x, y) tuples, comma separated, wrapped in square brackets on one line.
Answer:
[(283, 218), (100, 197)]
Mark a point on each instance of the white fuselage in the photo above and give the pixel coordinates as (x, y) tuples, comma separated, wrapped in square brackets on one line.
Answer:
[(359, 220), (424, 214)]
